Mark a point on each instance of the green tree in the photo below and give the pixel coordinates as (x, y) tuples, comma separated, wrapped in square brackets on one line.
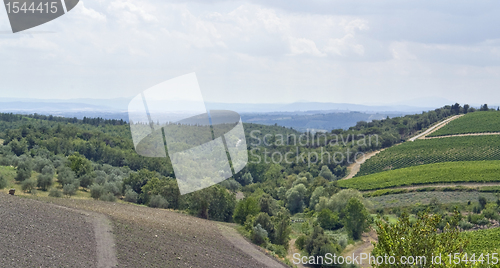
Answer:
[(265, 221), (419, 238), (245, 207), (246, 179), (295, 198), (282, 227), (274, 172), (329, 220), (137, 180), (356, 218), (327, 173), (80, 165), (24, 170)]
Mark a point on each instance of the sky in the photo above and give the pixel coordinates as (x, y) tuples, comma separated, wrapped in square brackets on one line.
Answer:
[(282, 51)]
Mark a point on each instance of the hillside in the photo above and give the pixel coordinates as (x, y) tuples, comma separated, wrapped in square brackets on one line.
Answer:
[(449, 172), (144, 237), (476, 122)]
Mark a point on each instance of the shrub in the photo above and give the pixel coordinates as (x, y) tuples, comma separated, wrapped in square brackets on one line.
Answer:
[(475, 218), (277, 249), (158, 201), (55, 193), (300, 242), (108, 197), (86, 180), (44, 181), (111, 187), (131, 196), (329, 220), (3, 182), (70, 189), (482, 202), (343, 242), (465, 225), (96, 191), (490, 213), (28, 185), (259, 235), (483, 221)]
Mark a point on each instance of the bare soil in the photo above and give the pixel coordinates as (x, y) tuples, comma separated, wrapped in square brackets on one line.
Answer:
[(36, 234), (354, 167), (366, 246), (147, 237)]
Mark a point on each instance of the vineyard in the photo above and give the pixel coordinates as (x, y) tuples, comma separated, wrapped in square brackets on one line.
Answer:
[(450, 172), (483, 241), (422, 152), (476, 122)]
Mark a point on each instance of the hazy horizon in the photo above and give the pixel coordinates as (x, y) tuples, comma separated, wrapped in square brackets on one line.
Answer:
[(254, 51)]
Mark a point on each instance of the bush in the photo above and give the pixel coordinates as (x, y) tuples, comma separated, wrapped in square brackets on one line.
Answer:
[(483, 221), (70, 189), (490, 213), (28, 185), (277, 249), (300, 242), (55, 193), (111, 187), (329, 220), (465, 225), (482, 202), (96, 191), (44, 181), (86, 180), (259, 235), (108, 197), (158, 201), (3, 182), (475, 218), (131, 196)]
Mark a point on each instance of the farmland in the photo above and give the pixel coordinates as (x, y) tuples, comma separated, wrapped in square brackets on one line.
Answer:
[(470, 171), (483, 241), (424, 198), (423, 152), (476, 122)]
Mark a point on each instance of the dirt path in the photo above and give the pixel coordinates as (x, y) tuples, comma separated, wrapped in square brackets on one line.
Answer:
[(292, 250), (365, 247), (105, 243), (238, 241), (435, 127), (463, 135), (443, 185), (353, 168)]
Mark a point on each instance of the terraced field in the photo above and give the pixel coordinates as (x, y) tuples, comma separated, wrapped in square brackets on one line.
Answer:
[(424, 198), (470, 171), (422, 152), (476, 122)]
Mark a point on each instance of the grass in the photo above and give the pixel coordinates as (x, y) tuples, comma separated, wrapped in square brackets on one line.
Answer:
[(424, 198), (422, 152), (483, 241), (10, 173), (476, 122), (451, 172)]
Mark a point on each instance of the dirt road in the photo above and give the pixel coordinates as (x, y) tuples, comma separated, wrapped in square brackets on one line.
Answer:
[(435, 127)]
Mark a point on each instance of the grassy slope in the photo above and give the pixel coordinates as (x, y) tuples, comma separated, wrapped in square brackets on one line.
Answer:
[(476, 122), (10, 173), (471, 171), (424, 198), (423, 152)]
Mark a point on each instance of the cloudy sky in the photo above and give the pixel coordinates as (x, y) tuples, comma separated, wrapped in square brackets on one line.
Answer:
[(355, 51)]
